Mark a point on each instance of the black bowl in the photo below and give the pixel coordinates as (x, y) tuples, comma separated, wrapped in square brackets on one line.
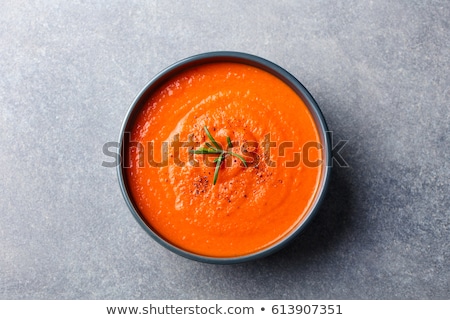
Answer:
[(241, 58)]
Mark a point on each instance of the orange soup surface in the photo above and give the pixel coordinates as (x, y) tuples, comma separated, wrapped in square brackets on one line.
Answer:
[(248, 209)]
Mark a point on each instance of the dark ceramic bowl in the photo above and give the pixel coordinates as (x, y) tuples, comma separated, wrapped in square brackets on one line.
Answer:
[(241, 58)]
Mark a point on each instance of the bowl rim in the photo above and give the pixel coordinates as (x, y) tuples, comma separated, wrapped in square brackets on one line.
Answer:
[(263, 64)]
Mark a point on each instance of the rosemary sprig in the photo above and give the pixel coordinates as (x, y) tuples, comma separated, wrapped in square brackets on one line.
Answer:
[(212, 138), (230, 145), (215, 148)]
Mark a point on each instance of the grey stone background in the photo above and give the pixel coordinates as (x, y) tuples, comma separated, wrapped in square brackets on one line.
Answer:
[(378, 69)]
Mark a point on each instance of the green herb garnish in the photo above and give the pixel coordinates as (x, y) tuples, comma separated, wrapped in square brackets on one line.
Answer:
[(215, 148)]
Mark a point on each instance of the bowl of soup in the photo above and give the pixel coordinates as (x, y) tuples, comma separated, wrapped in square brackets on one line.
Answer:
[(224, 157)]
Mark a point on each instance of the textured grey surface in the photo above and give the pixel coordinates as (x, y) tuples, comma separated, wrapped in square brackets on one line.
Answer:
[(378, 69)]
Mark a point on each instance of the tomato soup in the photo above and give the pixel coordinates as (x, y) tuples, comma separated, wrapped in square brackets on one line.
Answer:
[(271, 167)]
